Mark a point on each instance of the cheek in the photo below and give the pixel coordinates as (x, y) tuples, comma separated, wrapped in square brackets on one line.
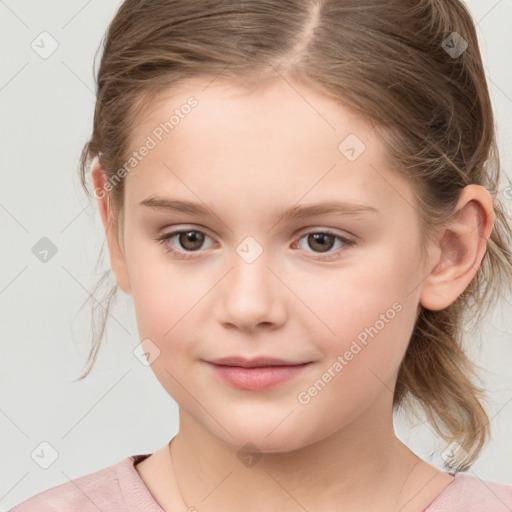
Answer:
[(164, 304), (360, 362), (370, 312), (163, 291)]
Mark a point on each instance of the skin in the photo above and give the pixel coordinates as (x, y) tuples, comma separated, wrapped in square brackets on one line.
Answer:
[(246, 155)]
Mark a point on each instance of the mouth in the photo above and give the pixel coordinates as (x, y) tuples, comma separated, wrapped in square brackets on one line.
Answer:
[(256, 374), (256, 362)]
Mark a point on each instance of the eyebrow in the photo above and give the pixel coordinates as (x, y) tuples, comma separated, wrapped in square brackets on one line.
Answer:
[(292, 213)]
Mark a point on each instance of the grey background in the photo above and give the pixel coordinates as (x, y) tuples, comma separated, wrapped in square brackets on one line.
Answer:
[(46, 109)]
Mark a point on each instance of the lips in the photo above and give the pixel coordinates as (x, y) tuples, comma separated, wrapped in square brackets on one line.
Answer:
[(256, 374), (256, 362)]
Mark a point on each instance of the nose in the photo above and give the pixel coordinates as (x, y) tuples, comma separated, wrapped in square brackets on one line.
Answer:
[(252, 296)]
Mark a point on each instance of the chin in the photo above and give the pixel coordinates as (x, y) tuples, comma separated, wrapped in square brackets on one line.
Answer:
[(265, 437)]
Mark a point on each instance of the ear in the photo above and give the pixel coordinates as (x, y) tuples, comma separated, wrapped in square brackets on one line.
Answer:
[(460, 248), (117, 258)]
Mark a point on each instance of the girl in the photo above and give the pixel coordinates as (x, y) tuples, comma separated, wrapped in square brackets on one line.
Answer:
[(301, 198)]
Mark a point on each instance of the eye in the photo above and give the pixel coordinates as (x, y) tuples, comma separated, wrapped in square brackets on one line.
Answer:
[(323, 241), (190, 240)]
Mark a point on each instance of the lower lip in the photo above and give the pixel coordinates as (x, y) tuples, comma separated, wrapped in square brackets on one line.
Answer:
[(265, 377)]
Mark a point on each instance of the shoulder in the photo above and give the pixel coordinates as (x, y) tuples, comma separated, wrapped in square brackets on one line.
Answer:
[(468, 493), (105, 489)]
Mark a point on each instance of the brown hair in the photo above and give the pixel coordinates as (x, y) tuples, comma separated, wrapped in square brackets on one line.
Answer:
[(399, 64)]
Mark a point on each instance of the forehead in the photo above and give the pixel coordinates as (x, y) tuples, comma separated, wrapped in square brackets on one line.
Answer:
[(263, 110), (281, 141)]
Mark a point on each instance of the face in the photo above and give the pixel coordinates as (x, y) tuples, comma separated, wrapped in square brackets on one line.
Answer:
[(335, 287)]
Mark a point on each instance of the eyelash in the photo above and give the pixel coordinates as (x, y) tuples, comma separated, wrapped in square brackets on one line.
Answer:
[(163, 240)]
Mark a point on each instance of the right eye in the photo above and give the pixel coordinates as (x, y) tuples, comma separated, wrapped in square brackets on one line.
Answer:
[(190, 240)]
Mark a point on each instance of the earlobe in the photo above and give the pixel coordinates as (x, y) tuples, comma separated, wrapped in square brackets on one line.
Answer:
[(117, 257), (460, 249)]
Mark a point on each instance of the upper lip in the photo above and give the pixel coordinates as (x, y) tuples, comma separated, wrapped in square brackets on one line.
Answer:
[(254, 362)]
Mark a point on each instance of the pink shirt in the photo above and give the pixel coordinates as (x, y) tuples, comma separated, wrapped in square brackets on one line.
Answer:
[(119, 488)]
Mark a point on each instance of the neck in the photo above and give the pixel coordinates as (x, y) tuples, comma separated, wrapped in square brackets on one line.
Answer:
[(363, 466)]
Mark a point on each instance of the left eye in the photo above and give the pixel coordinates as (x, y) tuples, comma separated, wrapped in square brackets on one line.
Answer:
[(191, 240), (323, 241)]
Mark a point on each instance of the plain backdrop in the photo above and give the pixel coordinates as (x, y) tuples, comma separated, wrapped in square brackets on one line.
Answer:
[(47, 104)]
